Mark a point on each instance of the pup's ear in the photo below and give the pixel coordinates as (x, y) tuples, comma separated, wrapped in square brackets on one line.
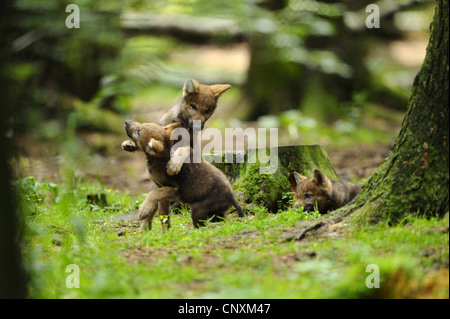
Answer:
[(322, 180), (169, 128), (219, 89), (155, 146), (293, 182), (295, 179), (190, 87)]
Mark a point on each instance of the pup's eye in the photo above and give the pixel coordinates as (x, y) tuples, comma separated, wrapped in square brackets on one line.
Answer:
[(194, 107), (137, 133), (307, 196)]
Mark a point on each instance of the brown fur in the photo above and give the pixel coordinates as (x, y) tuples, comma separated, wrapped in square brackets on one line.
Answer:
[(319, 190), (201, 185)]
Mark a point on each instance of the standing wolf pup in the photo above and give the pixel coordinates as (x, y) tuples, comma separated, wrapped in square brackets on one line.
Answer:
[(319, 189), (201, 185)]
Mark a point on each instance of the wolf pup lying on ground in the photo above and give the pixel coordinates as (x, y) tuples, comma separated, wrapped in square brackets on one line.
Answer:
[(327, 194), (201, 185)]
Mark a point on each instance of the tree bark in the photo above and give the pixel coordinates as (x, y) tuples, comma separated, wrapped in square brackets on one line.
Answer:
[(414, 179), (12, 277), (272, 85)]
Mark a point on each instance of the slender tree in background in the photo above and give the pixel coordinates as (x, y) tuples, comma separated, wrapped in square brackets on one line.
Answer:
[(12, 279), (414, 178)]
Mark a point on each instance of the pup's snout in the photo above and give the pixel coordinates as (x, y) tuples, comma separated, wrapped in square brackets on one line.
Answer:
[(128, 124), (196, 125)]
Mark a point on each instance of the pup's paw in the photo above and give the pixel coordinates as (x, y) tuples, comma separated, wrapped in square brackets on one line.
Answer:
[(173, 168), (129, 146), (146, 225), (146, 210)]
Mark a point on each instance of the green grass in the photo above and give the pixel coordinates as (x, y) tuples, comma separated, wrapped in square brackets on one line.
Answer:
[(238, 258)]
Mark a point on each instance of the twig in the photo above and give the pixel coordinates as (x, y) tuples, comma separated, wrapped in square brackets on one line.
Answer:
[(308, 229)]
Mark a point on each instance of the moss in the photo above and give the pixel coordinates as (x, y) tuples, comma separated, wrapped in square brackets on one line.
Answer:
[(305, 159), (261, 189)]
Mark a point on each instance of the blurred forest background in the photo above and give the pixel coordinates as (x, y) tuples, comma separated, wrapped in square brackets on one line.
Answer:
[(311, 68)]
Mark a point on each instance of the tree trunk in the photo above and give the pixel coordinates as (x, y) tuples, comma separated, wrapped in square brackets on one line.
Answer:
[(12, 278), (272, 85), (414, 179)]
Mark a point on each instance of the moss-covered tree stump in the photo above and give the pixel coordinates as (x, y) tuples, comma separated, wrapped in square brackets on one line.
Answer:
[(254, 188)]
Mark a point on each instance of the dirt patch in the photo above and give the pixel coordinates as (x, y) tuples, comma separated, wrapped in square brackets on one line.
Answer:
[(358, 162)]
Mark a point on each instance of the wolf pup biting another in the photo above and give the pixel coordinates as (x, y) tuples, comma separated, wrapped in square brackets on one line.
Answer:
[(319, 190), (201, 185), (197, 103)]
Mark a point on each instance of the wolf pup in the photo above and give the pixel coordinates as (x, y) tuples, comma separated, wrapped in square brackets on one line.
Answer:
[(327, 194), (198, 103), (201, 185)]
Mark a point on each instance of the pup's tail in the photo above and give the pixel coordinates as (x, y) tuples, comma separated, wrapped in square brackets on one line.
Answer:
[(238, 207)]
